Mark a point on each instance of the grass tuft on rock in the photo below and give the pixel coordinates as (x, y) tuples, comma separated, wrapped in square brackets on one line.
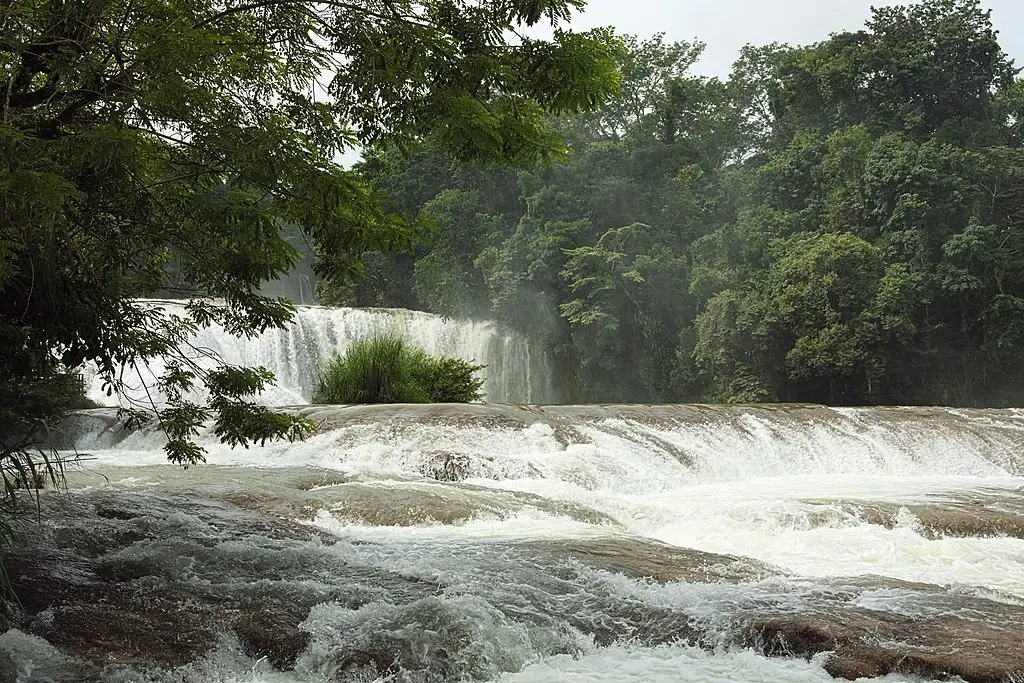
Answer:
[(386, 369)]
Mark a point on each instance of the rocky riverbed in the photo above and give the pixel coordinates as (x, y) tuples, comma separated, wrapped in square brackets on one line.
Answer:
[(427, 545)]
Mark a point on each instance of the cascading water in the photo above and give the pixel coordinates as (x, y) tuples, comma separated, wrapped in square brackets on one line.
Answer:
[(523, 544), (297, 354)]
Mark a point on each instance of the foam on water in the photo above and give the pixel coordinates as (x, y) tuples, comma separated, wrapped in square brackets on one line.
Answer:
[(527, 525), (37, 661), (768, 520), (774, 484), (760, 483), (598, 450), (626, 664)]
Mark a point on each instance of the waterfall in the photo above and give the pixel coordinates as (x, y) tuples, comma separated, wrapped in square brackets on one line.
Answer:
[(642, 450), (296, 354)]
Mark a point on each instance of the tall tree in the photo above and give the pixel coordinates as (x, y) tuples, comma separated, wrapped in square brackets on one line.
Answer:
[(652, 69), (893, 150), (147, 145), (836, 222)]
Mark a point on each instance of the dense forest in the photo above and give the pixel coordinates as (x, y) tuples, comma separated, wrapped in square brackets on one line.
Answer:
[(153, 148), (838, 223)]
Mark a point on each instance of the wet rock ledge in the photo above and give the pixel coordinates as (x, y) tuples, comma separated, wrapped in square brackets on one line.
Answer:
[(977, 515), (981, 642), (149, 578), (142, 579)]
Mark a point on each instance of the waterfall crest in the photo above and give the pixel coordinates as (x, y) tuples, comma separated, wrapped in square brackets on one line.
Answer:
[(618, 449)]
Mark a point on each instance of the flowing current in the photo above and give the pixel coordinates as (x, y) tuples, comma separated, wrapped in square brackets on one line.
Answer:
[(525, 544), (513, 372)]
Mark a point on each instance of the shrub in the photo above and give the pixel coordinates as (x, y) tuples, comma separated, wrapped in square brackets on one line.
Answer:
[(447, 379), (386, 369), (372, 371)]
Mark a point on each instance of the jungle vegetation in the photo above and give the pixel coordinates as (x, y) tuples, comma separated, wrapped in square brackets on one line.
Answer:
[(149, 147), (837, 222), (840, 222)]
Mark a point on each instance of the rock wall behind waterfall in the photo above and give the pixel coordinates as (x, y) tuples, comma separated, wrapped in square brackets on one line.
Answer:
[(515, 373)]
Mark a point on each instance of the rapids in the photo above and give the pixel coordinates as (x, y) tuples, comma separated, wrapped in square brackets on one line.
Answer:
[(522, 544)]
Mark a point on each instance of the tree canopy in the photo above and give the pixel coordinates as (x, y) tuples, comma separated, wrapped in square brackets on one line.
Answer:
[(165, 147), (838, 222)]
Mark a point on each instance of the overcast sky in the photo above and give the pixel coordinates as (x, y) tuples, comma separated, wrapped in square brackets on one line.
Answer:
[(728, 25)]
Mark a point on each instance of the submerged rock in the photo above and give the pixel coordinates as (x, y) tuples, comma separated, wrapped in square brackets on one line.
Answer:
[(144, 579), (987, 647), (113, 578), (645, 559), (410, 505), (273, 633), (8, 669), (446, 466), (140, 577), (397, 504), (981, 515)]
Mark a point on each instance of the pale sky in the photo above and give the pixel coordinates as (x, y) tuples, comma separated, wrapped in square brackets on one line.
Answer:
[(728, 25)]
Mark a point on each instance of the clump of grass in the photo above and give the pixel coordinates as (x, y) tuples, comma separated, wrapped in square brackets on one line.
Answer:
[(386, 369), (372, 371)]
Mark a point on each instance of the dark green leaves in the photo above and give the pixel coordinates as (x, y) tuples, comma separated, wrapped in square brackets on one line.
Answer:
[(839, 222), (150, 146), (386, 369)]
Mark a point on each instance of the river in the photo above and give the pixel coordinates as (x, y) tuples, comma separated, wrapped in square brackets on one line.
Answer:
[(522, 544)]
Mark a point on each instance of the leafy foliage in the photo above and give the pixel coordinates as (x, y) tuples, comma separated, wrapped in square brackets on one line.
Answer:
[(839, 222), (153, 147), (386, 369), (446, 379)]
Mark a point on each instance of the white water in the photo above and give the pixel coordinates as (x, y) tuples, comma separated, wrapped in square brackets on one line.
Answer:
[(764, 484), (616, 664), (751, 483), (624, 664), (296, 354)]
